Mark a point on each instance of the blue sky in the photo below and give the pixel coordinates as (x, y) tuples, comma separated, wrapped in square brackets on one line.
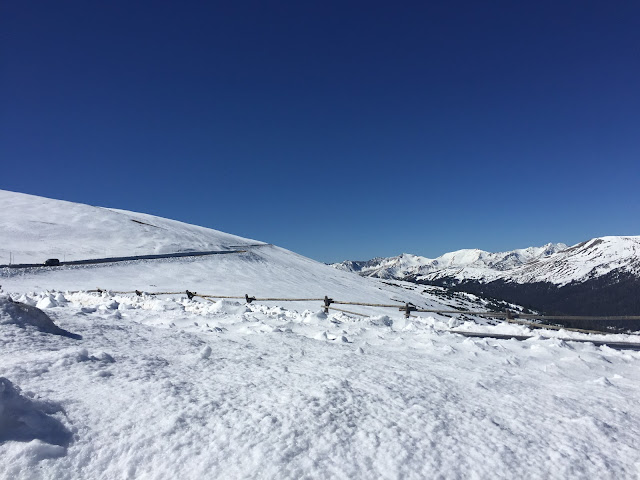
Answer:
[(337, 129)]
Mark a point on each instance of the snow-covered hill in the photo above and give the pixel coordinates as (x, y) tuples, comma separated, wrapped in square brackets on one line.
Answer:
[(553, 263), (110, 385), (36, 228)]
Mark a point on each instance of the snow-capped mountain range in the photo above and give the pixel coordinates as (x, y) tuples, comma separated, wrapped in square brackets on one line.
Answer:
[(553, 263)]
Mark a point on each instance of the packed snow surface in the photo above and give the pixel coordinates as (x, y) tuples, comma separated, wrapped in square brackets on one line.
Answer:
[(164, 387), (167, 388)]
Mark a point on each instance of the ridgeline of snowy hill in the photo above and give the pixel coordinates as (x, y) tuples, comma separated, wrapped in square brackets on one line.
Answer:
[(36, 228), (109, 385)]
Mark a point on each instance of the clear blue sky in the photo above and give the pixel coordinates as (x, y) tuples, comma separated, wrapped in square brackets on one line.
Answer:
[(338, 129)]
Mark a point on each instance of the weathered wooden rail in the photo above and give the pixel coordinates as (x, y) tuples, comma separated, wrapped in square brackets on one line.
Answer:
[(408, 308)]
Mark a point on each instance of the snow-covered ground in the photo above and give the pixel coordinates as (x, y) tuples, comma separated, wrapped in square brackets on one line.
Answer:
[(126, 386), (172, 388)]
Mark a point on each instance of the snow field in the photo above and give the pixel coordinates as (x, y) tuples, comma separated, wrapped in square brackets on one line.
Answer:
[(119, 386), (165, 387)]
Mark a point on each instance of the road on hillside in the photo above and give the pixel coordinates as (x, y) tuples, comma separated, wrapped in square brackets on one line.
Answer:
[(93, 261)]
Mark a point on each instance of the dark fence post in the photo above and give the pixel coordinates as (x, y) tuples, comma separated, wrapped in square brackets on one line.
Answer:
[(408, 308), (327, 302)]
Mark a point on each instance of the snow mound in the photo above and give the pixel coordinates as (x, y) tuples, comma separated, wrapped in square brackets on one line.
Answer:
[(24, 316), (23, 419)]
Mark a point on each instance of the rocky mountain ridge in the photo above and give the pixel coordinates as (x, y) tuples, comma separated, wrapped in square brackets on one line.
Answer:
[(600, 276), (554, 263)]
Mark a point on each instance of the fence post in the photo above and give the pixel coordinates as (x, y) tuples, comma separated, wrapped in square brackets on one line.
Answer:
[(408, 308), (327, 302)]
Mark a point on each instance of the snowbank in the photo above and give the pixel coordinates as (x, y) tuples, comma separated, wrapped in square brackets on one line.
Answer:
[(166, 387), (24, 419), (25, 316)]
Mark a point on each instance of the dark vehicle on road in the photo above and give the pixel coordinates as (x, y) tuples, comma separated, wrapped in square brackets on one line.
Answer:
[(52, 262)]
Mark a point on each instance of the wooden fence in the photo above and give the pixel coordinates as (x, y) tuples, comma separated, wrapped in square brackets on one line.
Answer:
[(409, 308)]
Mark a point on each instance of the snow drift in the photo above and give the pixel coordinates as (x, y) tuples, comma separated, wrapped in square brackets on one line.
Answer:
[(28, 316), (24, 419)]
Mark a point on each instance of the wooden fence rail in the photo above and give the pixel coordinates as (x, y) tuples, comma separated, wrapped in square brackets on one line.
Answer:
[(407, 308)]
